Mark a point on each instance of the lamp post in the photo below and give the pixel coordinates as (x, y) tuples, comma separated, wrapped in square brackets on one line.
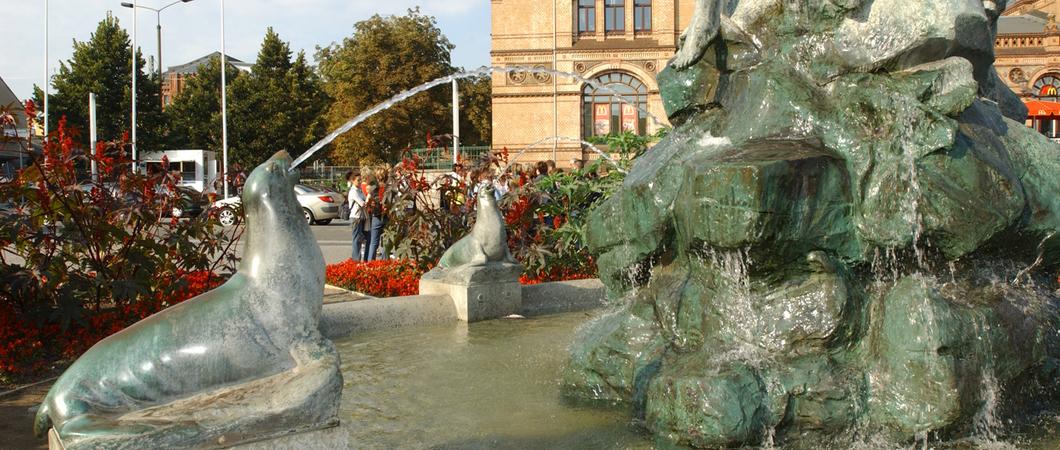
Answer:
[(134, 71), (224, 102), (158, 29), (47, 76)]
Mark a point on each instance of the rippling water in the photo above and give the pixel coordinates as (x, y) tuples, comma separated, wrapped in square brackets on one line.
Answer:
[(486, 385), (496, 385)]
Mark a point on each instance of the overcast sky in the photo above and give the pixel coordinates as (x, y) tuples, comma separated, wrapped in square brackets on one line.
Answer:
[(191, 30)]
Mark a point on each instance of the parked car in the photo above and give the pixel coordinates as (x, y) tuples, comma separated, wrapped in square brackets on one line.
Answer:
[(319, 206), (190, 204)]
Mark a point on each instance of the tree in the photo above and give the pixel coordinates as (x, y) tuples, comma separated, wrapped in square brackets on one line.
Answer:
[(476, 111), (102, 66), (309, 103), (276, 107), (385, 56), (195, 115)]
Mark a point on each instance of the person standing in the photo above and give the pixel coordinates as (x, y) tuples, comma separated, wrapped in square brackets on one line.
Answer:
[(356, 200), (376, 213)]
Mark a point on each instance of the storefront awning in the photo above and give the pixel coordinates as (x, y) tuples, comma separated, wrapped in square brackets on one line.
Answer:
[(1038, 108)]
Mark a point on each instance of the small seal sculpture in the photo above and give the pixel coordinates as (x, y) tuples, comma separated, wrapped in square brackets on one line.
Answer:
[(244, 362), (478, 272), (488, 241)]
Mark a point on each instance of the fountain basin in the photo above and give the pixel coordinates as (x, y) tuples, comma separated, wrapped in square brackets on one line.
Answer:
[(498, 384)]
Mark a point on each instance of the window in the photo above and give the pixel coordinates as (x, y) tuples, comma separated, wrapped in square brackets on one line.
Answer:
[(185, 168), (642, 15), (614, 16), (1047, 88), (603, 113), (586, 16)]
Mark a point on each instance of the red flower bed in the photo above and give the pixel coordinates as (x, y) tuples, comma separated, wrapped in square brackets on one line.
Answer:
[(386, 278), (557, 274), (400, 278), (29, 346)]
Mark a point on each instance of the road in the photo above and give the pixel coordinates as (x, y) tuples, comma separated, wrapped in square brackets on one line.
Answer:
[(335, 241)]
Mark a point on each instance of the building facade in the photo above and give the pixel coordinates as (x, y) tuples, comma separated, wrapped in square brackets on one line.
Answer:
[(174, 79), (1028, 59), (607, 47)]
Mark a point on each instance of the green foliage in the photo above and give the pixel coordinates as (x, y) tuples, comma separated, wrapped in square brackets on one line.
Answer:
[(195, 115), (102, 66), (308, 105), (420, 226), (548, 219), (385, 56), (277, 106), (629, 144), (476, 111)]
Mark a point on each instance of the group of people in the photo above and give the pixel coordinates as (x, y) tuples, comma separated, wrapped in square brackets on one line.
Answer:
[(372, 191), (366, 201)]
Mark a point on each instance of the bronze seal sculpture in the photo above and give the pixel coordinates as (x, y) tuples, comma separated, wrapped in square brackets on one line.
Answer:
[(488, 240), (243, 362)]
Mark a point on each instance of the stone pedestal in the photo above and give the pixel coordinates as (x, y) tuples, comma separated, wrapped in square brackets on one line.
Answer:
[(479, 293)]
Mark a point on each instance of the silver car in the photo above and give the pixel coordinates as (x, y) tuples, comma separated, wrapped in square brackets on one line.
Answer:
[(319, 207)]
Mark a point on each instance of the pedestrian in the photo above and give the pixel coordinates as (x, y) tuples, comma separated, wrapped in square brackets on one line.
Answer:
[(375, 209), (502, 185), (542, 171), (356, 201)]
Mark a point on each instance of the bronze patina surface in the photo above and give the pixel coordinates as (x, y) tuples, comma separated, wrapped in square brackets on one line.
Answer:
[(242, 362)]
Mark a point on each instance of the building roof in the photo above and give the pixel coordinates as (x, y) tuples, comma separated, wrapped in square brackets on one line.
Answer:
[(8, 97), (1024, 24), (192, 67)]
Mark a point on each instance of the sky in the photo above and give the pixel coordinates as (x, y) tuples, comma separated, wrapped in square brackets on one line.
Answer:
[(191, 30)]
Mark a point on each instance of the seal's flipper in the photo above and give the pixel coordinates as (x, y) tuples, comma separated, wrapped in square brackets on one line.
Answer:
[(43, 421)]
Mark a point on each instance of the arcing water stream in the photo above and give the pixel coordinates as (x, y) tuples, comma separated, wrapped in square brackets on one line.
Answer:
[(565, 139), (481, 71)]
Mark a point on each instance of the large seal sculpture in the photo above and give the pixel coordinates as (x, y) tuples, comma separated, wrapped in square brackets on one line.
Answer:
[(243, 362)]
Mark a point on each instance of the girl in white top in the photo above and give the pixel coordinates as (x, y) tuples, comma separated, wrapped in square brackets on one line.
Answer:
[(356, 200)]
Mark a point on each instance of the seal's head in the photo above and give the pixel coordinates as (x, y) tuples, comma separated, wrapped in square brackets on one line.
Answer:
[(271, 186), (486, 197)]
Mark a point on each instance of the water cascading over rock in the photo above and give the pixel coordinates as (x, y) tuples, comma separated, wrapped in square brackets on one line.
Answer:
[(849, 233)]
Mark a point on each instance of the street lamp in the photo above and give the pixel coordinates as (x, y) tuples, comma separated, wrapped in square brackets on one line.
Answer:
[(47, 75), (134, 72), (158, 27), (224, 102)]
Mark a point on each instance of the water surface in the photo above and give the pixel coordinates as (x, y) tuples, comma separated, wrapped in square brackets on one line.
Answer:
[(486, 385), (496, 385)]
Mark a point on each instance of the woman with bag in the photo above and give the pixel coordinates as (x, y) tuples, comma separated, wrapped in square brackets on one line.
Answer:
[(375, 212)]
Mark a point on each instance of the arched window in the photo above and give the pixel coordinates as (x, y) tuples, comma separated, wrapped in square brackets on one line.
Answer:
[(1047, 88), (603, 114)]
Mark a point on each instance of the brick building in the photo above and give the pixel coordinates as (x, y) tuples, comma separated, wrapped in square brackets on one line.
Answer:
[(620, 44), (1028, 59), (173, 80)]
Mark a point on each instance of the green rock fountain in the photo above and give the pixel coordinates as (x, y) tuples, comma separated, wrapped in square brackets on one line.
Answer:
[(850, 233)]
